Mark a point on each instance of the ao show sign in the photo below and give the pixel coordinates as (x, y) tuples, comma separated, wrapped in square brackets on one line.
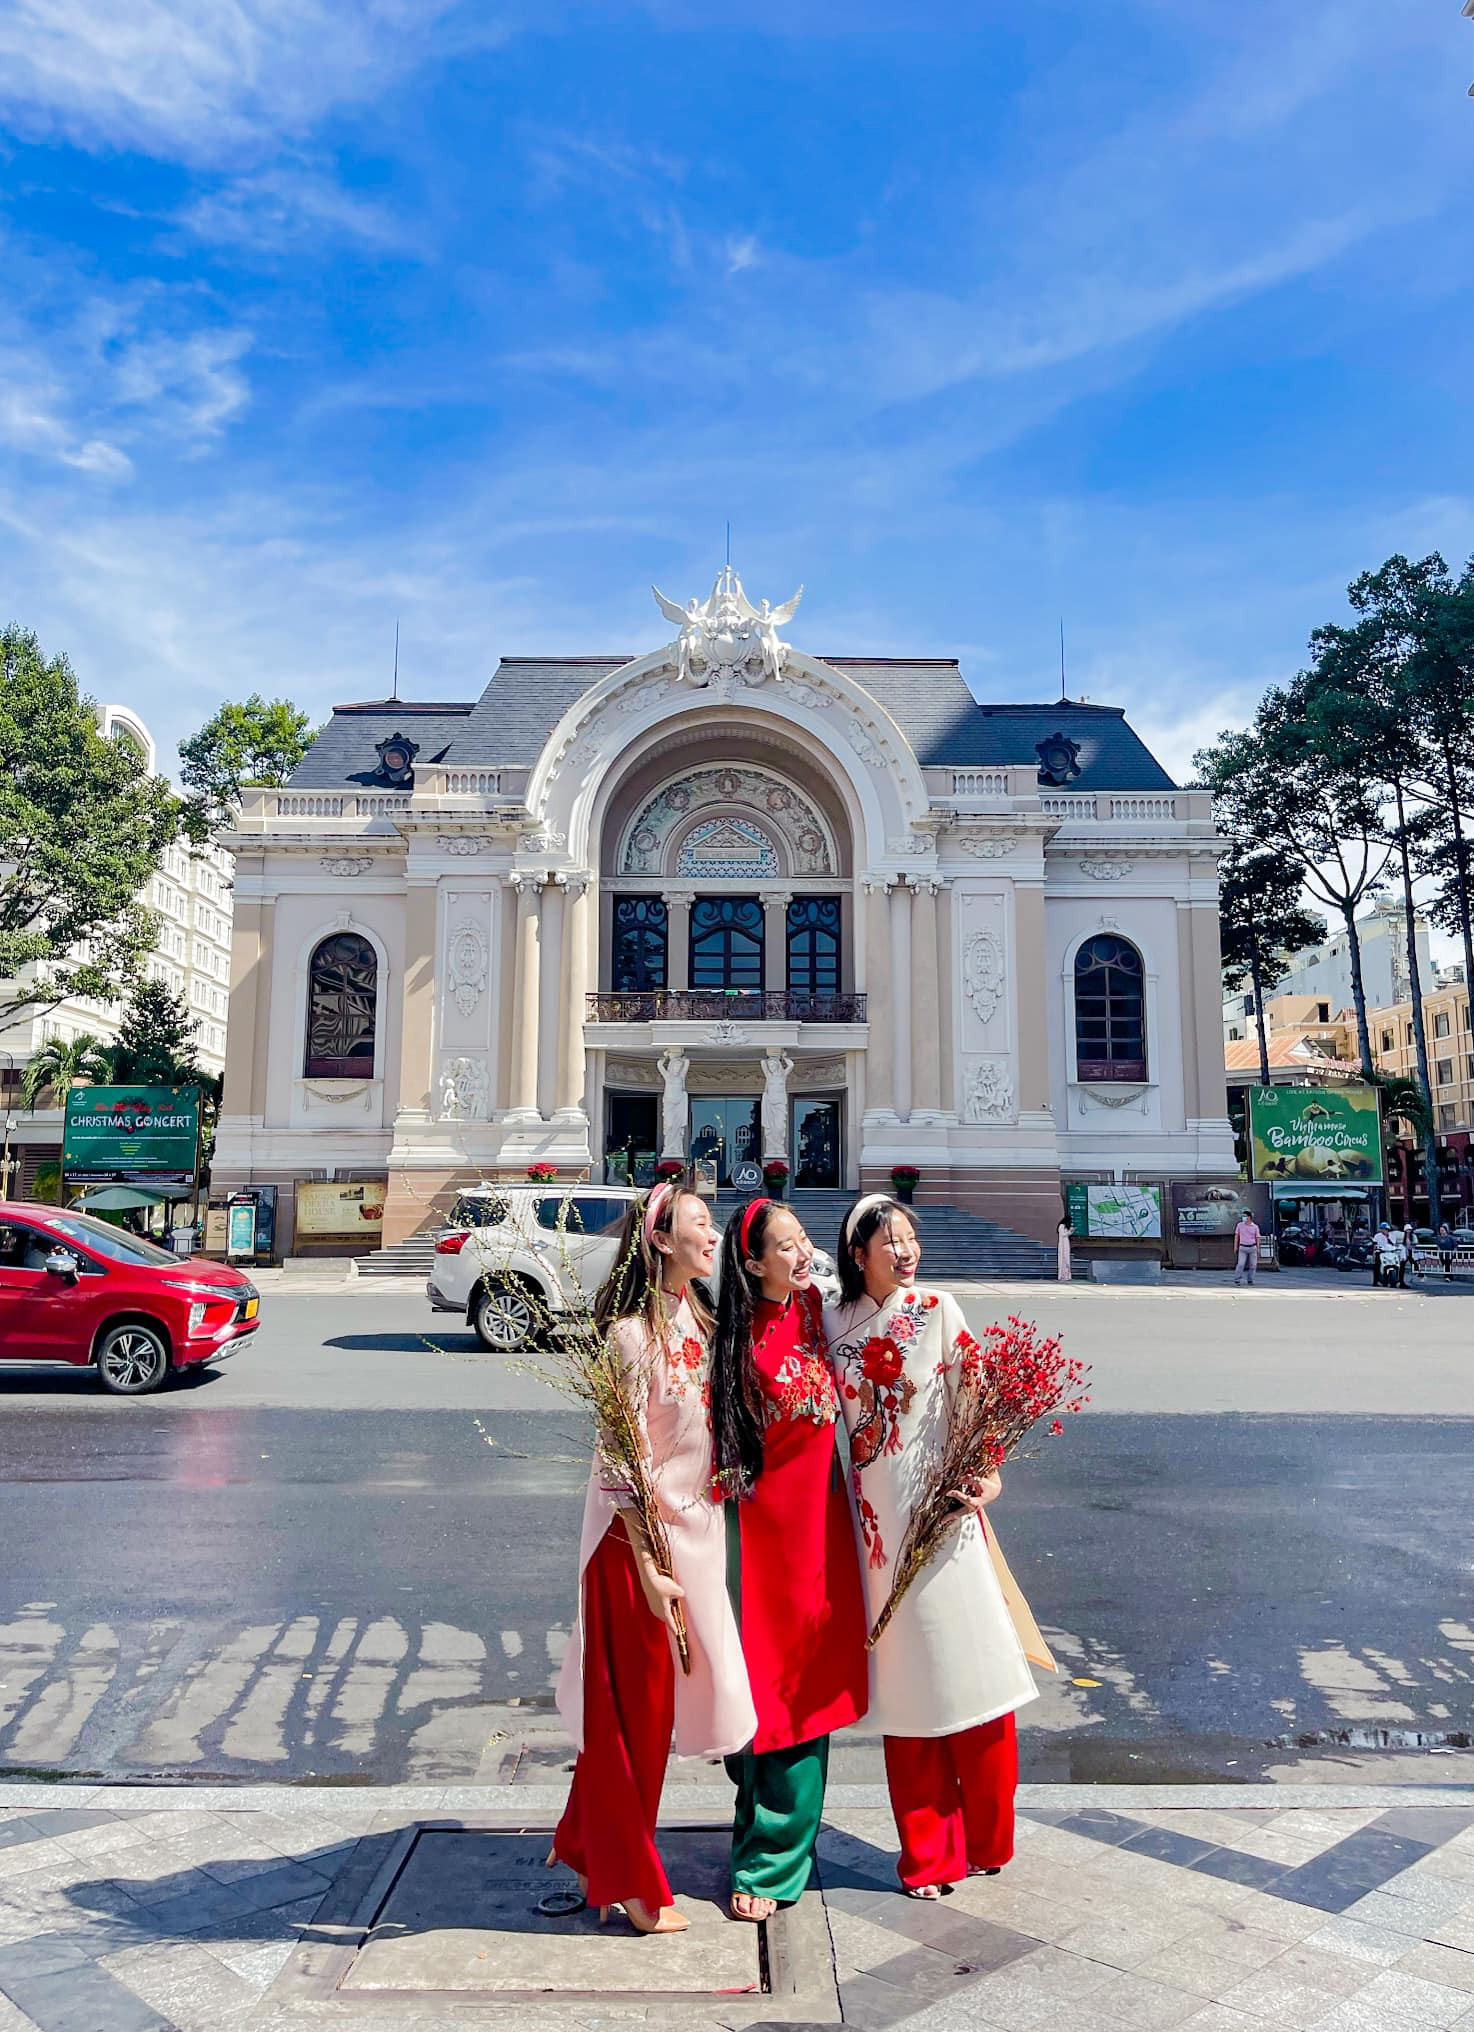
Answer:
[(145, 1136), (1306, 1136)]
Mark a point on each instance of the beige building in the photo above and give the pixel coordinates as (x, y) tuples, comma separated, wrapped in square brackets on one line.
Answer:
[(1450, 1051), (727, 902)]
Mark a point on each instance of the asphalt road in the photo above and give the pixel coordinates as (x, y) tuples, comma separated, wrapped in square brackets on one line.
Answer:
[(351, 1552)]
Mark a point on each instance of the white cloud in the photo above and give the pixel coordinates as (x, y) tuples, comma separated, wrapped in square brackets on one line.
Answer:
[(742, 253), (201, 80), (286, 208)]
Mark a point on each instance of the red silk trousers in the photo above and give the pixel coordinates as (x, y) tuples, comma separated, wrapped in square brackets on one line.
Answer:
[(607, 1832), (953, 1800)]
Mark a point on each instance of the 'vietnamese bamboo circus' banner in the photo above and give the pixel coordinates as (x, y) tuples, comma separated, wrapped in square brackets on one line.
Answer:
[(1315, 1135), (146, 1136)]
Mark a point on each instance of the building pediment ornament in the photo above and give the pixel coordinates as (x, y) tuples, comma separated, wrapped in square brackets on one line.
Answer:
[(465, 1088), (462, 844), (728, 638), (986, 846), (726, 1032), (543, 840), (467, 958), (983, 975), (344, 867), (989, 1096), (1106, 871)]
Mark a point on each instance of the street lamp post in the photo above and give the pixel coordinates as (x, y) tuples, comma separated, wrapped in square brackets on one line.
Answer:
[(7, 1162)]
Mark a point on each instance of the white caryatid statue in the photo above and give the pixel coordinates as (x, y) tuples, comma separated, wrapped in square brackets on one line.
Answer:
[(674, 1111), (777, 1065), (729, 636)]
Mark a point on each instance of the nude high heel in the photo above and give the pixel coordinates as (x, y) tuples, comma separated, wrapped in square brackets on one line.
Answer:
[(666, 1920)]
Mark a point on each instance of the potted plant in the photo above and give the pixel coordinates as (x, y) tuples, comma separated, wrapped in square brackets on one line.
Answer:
[(905, 1178), (668, 1168), (775, 1177), (542, 1173)]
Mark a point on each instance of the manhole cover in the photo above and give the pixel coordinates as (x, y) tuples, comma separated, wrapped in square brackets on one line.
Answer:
[(464, 1915)]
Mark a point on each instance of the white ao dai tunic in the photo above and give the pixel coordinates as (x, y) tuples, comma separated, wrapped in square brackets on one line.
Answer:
[(950, 1657)]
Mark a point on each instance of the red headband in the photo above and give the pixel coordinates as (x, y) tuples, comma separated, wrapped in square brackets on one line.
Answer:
[(745, 1230)]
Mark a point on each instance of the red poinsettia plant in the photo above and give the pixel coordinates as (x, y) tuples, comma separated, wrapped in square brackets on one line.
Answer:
[(669, 1167), (542, 1174), (1007, 1384)]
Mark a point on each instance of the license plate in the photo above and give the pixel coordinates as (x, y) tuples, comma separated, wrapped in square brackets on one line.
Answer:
[(253, 1306)]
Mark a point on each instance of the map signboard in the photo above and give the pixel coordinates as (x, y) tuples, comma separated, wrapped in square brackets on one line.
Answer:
[(148, 1136), (1129, 1213), (1315, 1135)]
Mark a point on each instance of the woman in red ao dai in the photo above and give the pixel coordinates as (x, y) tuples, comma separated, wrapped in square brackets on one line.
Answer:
[(620, 1690), (948, 1671), (792, 1572)]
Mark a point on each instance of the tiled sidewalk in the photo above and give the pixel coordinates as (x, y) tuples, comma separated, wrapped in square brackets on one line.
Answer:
[(1217, 1909)]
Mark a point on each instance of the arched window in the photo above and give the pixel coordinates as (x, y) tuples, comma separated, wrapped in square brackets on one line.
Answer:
[(342, 1008), (1110, 1010), (727, 942), (813, 945), (640, 927)]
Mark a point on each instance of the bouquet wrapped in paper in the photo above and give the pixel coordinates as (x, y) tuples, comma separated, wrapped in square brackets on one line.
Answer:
[(1008, 1382)]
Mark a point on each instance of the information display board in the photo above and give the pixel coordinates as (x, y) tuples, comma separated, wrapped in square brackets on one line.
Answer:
[(147, 1136), (1315, 1135)]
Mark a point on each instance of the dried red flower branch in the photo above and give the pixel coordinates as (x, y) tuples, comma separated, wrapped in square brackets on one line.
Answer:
[(1005, 1385)]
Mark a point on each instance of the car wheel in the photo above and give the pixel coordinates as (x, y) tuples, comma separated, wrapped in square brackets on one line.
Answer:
[(505, 1318), (132, 1359)]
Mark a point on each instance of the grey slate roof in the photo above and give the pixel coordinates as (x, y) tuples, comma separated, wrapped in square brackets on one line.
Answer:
[(929, 700)]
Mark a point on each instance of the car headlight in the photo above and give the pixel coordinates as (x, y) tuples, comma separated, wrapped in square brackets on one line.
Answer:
[(196, 1318)]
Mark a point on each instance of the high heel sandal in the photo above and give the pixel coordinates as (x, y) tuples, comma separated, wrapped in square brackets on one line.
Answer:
[(666, 1920)]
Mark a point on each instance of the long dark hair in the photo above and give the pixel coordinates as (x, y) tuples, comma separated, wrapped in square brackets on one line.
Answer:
[(878, 1214), (736, 1392), (632, 1288)]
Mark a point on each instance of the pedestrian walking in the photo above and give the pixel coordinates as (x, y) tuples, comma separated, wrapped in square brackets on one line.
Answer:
[(1446, 1250), (1066, 1229), (1246, 1248), (1384, 1256), (792, 1569), (619, 1689), (948, 1671)]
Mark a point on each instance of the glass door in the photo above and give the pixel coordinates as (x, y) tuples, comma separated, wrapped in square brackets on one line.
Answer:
[(816, 1143), (725, 1131)]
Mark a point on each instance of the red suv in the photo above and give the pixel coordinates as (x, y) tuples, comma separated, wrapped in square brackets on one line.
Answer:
[(75, 1291)]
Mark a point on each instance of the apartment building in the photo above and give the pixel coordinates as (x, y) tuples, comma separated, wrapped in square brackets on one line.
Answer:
[(1450, 1050), (192, 897)]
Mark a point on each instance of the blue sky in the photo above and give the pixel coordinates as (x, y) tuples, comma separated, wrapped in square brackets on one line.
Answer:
[(1155, 316)]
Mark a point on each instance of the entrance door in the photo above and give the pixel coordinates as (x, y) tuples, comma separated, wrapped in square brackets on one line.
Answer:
[(725, 1131), (816, 1143), (631, 1139)]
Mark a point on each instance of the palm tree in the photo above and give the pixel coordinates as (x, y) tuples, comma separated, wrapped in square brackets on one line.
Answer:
[(61, 1066)]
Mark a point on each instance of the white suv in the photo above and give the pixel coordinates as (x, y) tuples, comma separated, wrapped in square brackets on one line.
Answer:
[(519, 1255)]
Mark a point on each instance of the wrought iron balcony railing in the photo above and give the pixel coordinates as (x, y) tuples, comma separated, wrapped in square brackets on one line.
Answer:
[(723, 1005)]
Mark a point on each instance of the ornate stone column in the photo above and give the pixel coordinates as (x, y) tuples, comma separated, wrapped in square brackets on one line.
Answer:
[(777, 1065), (675, 1109), (903, 990), (926, 1054), (417, 1006), (678, 937), (1030, 996), (526, 996), (879, 1088), (572, 1068), (550, 986), (775, 937)]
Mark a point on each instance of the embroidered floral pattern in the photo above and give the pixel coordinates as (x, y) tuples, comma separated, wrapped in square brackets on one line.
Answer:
[(685, 1363), (802, 1385)]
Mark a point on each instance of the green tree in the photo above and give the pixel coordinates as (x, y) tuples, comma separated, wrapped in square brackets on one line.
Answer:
[(61, 1066), (82, 828), (1360, 705), (1263, 919), (1271, 787), (241, 747), (156, 1040)]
